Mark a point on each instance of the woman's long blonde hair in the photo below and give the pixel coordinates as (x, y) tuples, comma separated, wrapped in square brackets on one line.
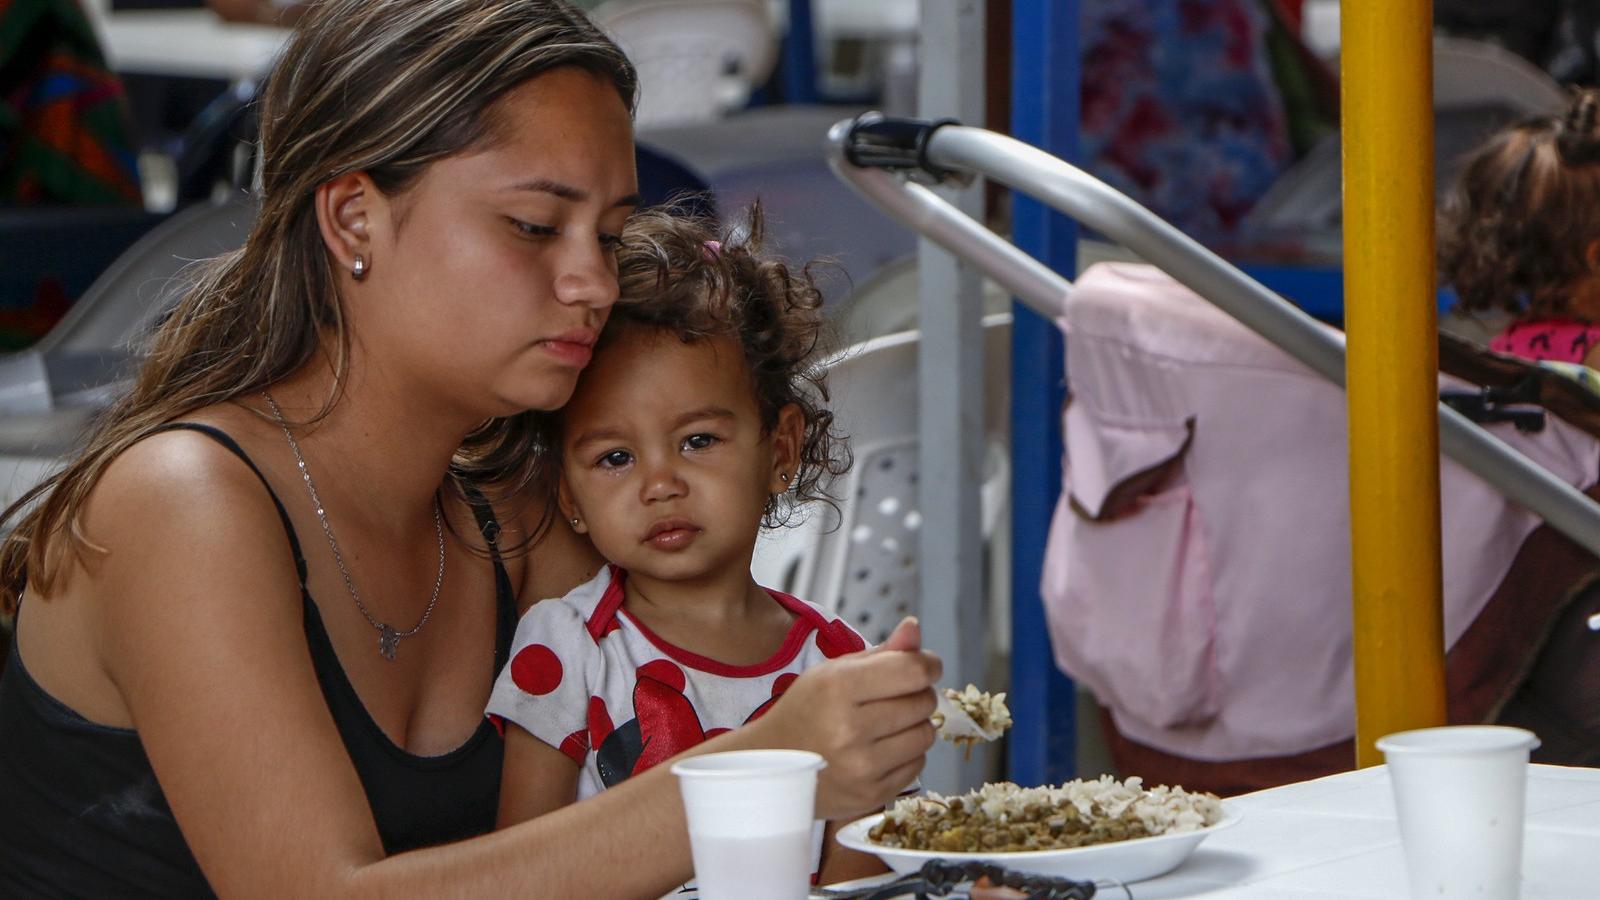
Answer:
[(381, 86)]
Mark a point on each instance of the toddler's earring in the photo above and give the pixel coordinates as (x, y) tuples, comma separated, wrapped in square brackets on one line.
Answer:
[(784, 476), (358, 270), (574, 521)]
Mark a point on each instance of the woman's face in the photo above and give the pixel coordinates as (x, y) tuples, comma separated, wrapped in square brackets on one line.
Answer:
[(491, 277)]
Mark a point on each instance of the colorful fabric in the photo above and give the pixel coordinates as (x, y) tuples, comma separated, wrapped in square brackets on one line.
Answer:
[(589, 679), (1309, 89), (1553, 340), (1180, 110), (65, 133)]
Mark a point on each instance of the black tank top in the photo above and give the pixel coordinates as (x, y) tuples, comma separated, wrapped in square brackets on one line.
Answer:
[(81, 813)]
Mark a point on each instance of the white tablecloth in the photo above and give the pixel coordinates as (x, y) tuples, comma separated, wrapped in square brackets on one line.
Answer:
[(1336, 839), (189, 42)]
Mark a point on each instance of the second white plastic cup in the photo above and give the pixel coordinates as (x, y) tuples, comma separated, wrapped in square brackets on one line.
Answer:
[(750, 814), (1459, 796)]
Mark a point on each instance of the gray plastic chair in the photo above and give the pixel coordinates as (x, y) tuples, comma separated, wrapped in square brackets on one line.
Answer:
[(50, 393), (1477, 88), (91, 348)]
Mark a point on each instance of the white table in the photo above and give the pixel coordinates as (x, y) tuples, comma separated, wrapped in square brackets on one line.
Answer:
[(1336, 839), (189, 42)]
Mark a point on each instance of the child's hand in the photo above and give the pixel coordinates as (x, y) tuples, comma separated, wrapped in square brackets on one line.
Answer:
[(867, 714)]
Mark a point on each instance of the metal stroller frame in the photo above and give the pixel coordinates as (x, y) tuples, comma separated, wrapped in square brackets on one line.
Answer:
[(866, 147), (885, 159)]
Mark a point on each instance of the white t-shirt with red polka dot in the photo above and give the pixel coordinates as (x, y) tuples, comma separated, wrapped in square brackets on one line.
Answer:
[(589, 679)]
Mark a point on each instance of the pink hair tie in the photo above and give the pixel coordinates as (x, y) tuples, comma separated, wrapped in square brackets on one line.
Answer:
[(713, 250)]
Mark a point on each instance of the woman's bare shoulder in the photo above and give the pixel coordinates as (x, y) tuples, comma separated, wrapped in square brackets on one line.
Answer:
[(177, 496), (175, 526), (180, 467)]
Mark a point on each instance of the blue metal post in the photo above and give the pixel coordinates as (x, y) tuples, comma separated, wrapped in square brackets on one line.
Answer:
[(800, 55), (1044, 112)]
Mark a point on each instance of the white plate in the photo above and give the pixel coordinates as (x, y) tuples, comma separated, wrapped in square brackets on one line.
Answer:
[(1125, 861)]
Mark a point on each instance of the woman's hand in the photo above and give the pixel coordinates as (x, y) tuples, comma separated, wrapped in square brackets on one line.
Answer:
[(867, 714)]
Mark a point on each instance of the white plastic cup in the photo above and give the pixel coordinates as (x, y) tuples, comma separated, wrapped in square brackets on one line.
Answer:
[(750, 815), (1459, 795)]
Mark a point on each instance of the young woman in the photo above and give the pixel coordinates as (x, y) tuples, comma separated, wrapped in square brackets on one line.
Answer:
[(259, 617)]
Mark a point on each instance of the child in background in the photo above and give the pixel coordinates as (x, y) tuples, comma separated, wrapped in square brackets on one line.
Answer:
[(698, 421), (1521, 233)]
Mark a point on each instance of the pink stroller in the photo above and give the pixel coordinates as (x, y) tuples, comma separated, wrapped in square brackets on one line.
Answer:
[(1197, 577)]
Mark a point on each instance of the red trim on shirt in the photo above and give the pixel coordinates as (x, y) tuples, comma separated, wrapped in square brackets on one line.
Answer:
[(576, 745), (604, 616), (806, 620)]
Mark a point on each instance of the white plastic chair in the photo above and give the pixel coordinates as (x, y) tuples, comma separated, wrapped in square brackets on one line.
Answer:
[(861, 562), (886, 302), (1469, 73), (697, 59)]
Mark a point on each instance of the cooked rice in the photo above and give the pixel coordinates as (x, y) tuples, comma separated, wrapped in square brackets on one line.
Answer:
[(987, 711), (1004, 817)]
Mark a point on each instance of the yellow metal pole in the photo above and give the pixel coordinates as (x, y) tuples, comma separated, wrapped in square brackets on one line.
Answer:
[(1387, 119)]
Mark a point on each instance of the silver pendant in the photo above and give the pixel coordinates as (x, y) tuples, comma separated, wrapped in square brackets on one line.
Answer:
[(388, 641)]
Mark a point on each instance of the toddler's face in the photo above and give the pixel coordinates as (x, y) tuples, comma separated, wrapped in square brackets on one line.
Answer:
[(665, 463)]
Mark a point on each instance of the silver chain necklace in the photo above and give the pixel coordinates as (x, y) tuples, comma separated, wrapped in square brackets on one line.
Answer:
[(388, 637)]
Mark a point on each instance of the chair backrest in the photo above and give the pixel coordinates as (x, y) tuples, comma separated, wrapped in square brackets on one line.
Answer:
[(1477, 88), (861, 561), (142, 284), (697, 59), (887, 302), (1468, 73), (884, 303), (91, 348)]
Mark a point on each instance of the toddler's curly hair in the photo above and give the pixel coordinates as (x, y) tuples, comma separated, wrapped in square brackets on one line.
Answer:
[(683, 275), (1516, 228)]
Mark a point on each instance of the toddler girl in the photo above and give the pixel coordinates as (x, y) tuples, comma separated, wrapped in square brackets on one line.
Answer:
[(1521, 233), (698, 421)]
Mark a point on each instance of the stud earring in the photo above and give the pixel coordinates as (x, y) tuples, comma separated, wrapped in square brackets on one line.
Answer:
[(358, 270), (784, 476), (574, 521)]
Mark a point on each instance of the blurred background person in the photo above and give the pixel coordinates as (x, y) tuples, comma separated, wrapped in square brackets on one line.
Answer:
[(64, 126), (65, 137), (1195, 108)]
